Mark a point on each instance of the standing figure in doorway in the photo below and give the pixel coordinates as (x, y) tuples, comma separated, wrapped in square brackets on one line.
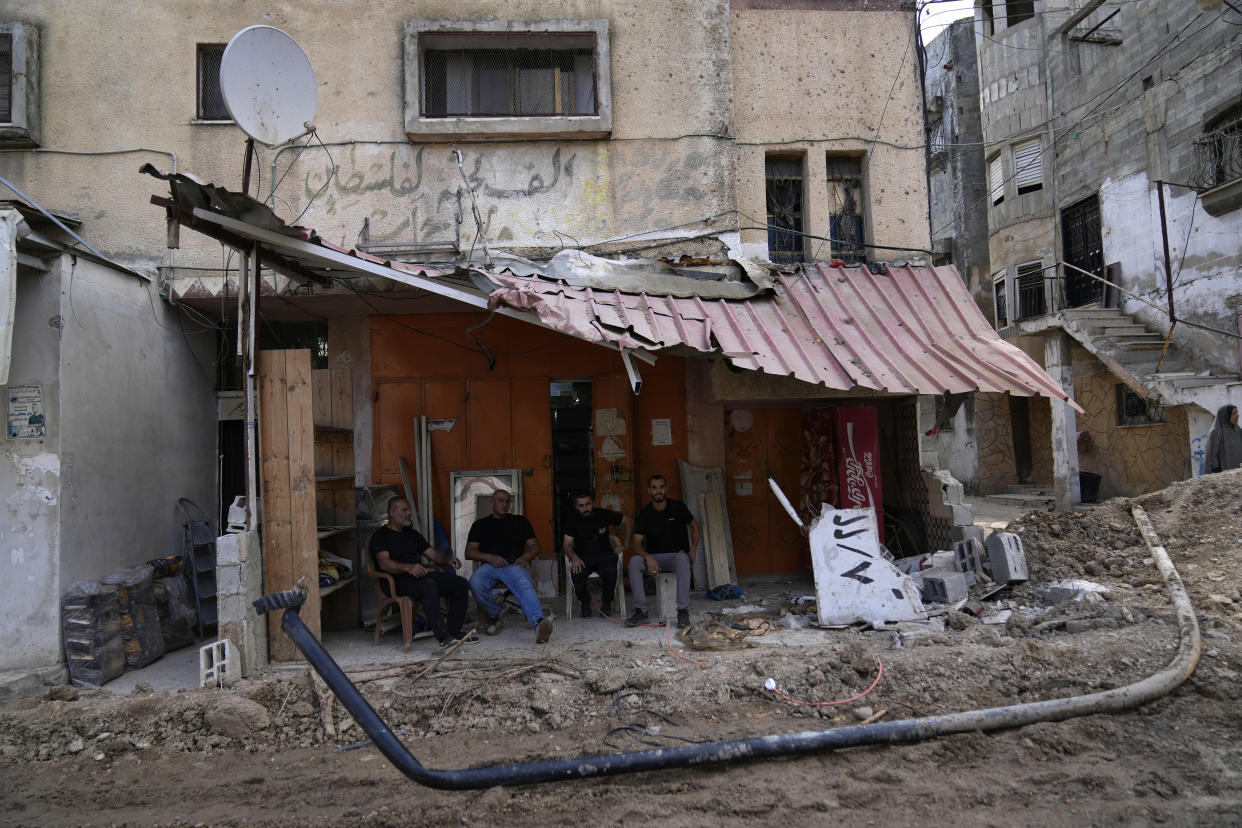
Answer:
[(398, 549), (1224, 451), (588, 548), (505, 548), (659, 542)]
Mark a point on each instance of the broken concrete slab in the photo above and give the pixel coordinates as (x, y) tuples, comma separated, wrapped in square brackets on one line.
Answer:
[(944, 587), (853, 582)]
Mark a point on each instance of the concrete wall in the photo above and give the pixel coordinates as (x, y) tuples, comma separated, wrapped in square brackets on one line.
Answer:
[(138, 426), (796, 90), (701, 89), (30, 488), (957, 173)]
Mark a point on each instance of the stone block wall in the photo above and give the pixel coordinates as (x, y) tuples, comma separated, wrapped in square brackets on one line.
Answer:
[(1132, 460)]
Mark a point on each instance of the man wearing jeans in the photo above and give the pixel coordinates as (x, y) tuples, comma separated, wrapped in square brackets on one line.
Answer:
[(660, 546), (504, 546)]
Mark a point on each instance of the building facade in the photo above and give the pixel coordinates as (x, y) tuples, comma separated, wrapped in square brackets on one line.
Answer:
[(691, 141), (1112, 167)]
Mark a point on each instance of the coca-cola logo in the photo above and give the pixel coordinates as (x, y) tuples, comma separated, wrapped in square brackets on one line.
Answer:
[(855, 482)]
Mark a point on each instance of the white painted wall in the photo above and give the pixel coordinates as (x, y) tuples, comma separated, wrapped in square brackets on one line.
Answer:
[(1205, 255), (30, 490), (138, 421), (130, 427)]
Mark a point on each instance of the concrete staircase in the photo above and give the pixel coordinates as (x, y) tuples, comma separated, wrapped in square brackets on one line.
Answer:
[(1132, 352), (1025, 496)]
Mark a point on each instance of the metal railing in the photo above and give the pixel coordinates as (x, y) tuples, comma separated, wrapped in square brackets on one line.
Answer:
[(1218, 157)]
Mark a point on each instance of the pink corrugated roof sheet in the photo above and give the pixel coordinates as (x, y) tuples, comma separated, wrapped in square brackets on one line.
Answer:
[(909, 330)]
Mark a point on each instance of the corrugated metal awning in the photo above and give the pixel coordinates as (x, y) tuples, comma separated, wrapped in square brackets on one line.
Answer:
[(908, 330)]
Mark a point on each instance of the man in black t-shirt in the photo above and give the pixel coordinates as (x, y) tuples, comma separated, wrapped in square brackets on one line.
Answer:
[(660, 546), (398, 549), (504, 546), (588, 548)]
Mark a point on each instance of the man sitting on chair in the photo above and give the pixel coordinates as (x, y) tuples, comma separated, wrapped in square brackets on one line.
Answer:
[(505, 547), (588, 548), (398, 549)]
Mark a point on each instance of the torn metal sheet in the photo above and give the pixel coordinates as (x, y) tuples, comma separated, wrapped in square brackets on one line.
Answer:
[(853, 581)]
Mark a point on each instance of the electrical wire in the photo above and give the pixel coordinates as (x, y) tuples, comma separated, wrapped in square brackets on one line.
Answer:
[(878, 674), (668, 639), (327, 181)]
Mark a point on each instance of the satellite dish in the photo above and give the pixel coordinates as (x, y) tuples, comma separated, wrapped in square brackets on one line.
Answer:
[(268, 85)]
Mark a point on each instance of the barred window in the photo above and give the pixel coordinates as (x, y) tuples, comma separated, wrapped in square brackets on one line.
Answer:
[(210, 102)]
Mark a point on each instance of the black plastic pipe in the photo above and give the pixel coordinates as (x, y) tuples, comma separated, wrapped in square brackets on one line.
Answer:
[(906, 730)]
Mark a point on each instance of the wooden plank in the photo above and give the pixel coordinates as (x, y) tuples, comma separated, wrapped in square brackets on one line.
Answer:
[(277, 526), (321, 396), (342, 397), (716, 541), (305, 551)]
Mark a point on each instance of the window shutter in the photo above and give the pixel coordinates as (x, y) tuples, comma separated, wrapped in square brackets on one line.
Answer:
[(996, 180), (1028, 165)]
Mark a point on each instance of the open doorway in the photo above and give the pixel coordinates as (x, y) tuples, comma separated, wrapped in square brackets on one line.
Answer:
[(572, 461)]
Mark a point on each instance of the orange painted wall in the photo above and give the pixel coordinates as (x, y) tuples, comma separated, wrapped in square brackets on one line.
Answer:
[(763, 443), (426, 364)]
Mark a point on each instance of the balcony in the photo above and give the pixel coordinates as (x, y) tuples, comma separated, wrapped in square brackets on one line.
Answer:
[(1218, 169)]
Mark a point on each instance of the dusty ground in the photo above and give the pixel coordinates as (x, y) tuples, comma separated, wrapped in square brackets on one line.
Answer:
[(259, 754)]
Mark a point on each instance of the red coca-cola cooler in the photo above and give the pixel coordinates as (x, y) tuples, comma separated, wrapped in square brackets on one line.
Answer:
[(856, 441)]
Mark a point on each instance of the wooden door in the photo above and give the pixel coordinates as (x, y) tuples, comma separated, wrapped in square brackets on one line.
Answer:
[(760, 444)]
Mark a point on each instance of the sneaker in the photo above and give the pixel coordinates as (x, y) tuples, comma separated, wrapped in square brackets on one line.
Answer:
[(586, 611), (543, 631), (494, 626), (637, 619), (683, 619)]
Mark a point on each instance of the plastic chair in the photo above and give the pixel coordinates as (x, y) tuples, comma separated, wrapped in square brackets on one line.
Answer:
[(618, 600), (387, 589)]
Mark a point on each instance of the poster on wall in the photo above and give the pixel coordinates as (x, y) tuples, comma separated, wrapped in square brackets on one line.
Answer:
[(856, 438), (26, 420)]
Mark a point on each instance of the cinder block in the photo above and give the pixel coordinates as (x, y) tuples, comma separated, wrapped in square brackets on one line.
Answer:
[(228, 579), (1006, 558), (218, 664), (666, 597), (228, 550), (232, 607), (968, 556), (944, 587), (964, 532)]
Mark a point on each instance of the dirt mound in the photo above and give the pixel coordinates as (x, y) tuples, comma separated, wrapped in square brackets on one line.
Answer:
[(263, 751)]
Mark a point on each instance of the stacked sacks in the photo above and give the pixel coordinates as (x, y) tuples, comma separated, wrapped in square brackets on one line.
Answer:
[(140, 620), (173, 602), (91, 625)]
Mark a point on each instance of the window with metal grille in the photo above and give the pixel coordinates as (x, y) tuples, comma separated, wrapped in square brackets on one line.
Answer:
[(1000, 299), (996, 179), (846, 223), (784, 201), (1133, 410), (1031, 301), (501, 75), (210, 105), (6, 78), (1028, 168), (1017, 11)]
